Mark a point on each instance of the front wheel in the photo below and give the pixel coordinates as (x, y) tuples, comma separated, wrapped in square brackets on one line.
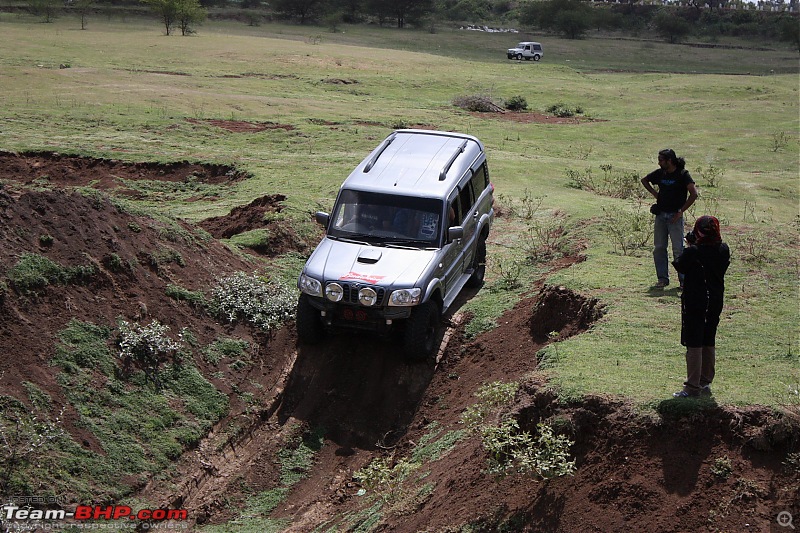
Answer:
[(478, 266), (310, 329), (519, 57), (422, 332)]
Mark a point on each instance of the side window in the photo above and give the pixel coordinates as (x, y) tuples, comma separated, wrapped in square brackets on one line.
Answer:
[(466, 198), (480, 179), (454, 214)]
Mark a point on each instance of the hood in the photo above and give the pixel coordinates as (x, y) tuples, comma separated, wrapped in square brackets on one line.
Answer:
[(373, 265)]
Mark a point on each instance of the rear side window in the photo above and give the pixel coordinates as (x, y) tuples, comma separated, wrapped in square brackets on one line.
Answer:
[(466, 197), (480, 179)]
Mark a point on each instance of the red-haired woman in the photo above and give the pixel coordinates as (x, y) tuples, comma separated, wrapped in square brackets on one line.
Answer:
[(703, 263)]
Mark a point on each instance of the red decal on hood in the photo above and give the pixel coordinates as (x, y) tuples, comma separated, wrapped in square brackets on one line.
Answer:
[(361, 277)]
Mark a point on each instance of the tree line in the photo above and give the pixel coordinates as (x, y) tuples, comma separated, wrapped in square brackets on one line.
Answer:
[(769, 20)]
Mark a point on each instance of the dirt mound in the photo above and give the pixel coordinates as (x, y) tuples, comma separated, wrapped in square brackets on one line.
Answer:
[(243, 218), (258, 215), (50, 169), (128, 261), (560, 314)]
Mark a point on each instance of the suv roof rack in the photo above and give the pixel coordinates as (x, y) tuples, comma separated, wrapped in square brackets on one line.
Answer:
[(378, 154), (458, 152)]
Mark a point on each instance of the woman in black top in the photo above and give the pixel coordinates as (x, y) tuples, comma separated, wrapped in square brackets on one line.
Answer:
[(703, 264)]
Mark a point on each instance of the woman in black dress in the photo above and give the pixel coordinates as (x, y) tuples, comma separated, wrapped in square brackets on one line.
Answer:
[(703, 263)]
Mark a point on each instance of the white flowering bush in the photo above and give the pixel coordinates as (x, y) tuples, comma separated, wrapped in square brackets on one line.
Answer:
[(147, 347), (27, 438), (253, 299)]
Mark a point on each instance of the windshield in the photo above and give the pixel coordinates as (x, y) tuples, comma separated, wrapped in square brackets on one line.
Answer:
[(384, 219)]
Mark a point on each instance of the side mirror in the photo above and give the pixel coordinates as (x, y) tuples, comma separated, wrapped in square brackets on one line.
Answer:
[(454, 233), (322, 218)]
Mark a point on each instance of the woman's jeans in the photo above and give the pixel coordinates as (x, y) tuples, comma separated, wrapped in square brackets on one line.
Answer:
[(664, 229)]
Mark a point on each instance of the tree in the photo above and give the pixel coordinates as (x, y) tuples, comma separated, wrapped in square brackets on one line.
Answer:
[(302, 9), (83, 7), (572, 24), (409, 11), (572, 18), (790, 30), (44, 8), (184, 13), (670, 26), (189, 12), (167, 10), (380, 9)]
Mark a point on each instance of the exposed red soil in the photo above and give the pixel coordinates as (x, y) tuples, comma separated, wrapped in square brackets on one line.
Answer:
[(48, 169), (635, 471), (282, 237), (525, 117), (241, 126)]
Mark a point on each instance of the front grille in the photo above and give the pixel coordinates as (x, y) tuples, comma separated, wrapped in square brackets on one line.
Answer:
[(350, 291)]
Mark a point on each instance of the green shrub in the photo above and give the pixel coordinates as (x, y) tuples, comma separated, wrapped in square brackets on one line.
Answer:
[(563, 110), (34, 271), (165, 255), (194, 298), (543, 457), (113, 262), (221, 348), (722, 467), (385, 476), (516, 103), (84, 345), (627, 229), (492, 396)]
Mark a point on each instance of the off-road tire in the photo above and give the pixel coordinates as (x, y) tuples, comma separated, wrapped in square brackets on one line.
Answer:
[(478, 266), (422, 332), (310, 329)]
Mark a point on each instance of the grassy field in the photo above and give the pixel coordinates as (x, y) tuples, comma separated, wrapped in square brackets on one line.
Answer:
[(122, 89)]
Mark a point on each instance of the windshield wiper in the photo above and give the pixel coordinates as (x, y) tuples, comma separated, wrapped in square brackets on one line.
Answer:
[(406, 242), (359, 238)]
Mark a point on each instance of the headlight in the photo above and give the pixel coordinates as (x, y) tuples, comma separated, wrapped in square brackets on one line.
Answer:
[(309, 285), (367, 296), (405, 297), (334, 292)]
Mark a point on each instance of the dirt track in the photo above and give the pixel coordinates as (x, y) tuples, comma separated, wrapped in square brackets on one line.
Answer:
[(634, 472)]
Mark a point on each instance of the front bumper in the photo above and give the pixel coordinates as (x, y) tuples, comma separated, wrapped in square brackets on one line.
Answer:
[(376, 318)]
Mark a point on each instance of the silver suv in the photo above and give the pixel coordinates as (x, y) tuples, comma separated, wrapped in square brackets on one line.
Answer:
[(407, 232)]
